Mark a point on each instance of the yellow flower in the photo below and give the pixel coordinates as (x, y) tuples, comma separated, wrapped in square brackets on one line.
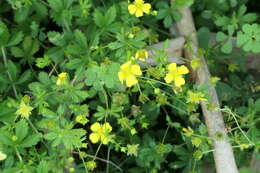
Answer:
[(91, 165), (196, 97), (132, 149), (62, 78), (175, 74), (139, 7), (81, 119), (2, 156), (128, 73), (195, 63), (24, 110), (188, 131), (133, 131), (100, 133), (123, 149), (244, 146), (141, 55), (214, 80), (233, 67)]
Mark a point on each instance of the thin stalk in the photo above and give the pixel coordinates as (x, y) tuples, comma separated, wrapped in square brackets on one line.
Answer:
[(238, 126), (8, 73), (82, 160), (18, 155), (108, 158), (106, 161)]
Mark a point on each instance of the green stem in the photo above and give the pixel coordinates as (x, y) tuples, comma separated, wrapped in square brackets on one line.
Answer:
[(8, 73), (18, 155), (106, 161), (106, 100), (82, 160), (234, 116), (164, 136), (146, 78), (108, 158)]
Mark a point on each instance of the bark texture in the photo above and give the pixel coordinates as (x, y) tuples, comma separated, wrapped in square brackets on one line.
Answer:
[(223, 154), (173, 51)]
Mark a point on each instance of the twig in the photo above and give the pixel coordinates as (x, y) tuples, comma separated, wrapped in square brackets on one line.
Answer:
[(52, 70), (106, 161), (103, 160), (223, 154)]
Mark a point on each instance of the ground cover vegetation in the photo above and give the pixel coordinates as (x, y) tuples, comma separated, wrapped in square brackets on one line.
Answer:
[(77, 95)]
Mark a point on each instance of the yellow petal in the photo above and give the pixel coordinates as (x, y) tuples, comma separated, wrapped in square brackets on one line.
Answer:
[(139, 1), (168, 78), (136, 70), (179, 81), (131, 80), (141, 55), (2, 156), (62, 75), (94, 137), (121, 76), (58, 82), (139, 13), (105, 139), (107, 128), (183, 70), (172, 67), (146, 8), (132, 9), (195, 63), (126, 66), (95, 127)]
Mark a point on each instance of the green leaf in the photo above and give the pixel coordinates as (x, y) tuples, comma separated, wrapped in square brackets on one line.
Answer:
[(204, 37), (227, 47), (99, 18), (167, 21), (241, 39), (56, 38), (24, 77), (43, 167), (80, 38), (221, 36), (21, 129), (30, 46), (17, 52), (233, 3), (15, 39), (13, 70), (21, 14), (222, 21), (242, 10), (56, 5), (43, 62), (249, 17), (257, 105), (162, 13), (115, 45), (74, 64), (177, 164), (30, 141), (44, 78), (4, 34), (183, 3), (110, 15), (6, 138)]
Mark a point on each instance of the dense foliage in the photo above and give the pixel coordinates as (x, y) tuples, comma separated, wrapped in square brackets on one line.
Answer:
[(76, 94)]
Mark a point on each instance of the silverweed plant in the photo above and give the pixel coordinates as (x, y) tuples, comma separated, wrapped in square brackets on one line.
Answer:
[(78, 94)]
